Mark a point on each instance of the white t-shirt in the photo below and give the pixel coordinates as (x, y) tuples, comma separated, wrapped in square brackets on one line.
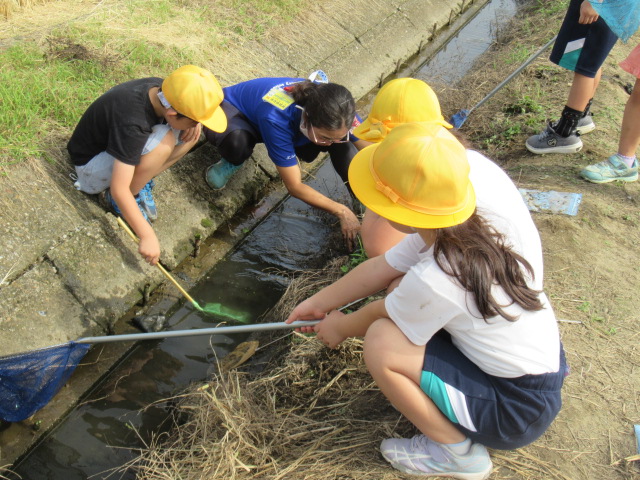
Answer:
[(427, 299)]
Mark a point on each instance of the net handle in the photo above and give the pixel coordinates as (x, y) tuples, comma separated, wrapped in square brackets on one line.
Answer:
[(256, 327)]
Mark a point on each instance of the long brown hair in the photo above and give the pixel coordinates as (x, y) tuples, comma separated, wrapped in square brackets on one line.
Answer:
[(477, 256)]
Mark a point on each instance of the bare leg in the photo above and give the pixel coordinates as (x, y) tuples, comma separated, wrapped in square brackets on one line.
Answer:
[(630, 133), (158, 160), (582, 90), (396, 365), (377, 234)]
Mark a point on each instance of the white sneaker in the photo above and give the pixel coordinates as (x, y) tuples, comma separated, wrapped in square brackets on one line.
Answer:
[(421, 456)]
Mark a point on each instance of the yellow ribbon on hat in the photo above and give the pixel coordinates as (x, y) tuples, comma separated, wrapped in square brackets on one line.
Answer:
[(379, 129)]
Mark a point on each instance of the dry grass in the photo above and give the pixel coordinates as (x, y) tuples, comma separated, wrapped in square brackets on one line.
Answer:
[(9, 7), (311, 413), (314, 413)]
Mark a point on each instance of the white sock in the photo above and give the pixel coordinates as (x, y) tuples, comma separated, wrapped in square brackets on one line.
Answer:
[(628, 160), (459, 448)]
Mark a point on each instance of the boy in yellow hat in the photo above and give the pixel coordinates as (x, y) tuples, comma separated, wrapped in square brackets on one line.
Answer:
[(137, 130), (399, 101), (466, 346)]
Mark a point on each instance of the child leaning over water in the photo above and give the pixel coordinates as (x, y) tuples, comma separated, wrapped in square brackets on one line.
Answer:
[(134, 132), (466, 346)]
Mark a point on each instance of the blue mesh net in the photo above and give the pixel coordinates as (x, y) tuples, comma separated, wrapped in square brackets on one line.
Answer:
[(622, 16), (28, 381)]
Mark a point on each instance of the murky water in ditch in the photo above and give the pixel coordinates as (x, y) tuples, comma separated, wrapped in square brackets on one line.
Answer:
[(120, 414), (457, 57), (101, 433)]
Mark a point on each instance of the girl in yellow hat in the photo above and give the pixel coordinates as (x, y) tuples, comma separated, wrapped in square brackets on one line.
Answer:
[(402, 100), (466, 345)]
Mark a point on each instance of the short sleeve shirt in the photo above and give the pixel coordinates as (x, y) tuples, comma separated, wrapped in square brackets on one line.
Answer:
[(119, 122), (428, 299), (272, 111)]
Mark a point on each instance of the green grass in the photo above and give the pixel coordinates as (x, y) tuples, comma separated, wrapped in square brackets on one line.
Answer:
[(550, 7), (46, 84)]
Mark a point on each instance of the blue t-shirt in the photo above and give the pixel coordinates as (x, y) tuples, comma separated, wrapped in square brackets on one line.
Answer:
[(274, 115)]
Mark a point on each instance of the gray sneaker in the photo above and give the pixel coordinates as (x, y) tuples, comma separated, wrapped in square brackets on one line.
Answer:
[(610, 170), (549, 141), (585, 125), (421, 456)]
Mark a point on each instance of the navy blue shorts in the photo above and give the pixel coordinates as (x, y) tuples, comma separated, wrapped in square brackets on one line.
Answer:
[(582, 48), (502, 413)]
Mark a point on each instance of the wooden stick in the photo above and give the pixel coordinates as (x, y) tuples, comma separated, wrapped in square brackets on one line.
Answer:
[(126, 228)]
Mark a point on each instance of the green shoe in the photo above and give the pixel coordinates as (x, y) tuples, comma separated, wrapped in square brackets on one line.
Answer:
[(218, 174), (610, 170)]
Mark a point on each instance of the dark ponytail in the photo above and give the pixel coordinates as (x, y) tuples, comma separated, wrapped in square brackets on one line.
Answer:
[(328, 105)]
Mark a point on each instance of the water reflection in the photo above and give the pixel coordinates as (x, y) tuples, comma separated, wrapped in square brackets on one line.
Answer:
[(455, 59)]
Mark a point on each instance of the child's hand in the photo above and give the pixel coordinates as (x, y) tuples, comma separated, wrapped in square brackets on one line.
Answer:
[(149, 248), (306, 311), (587, 13), (328, 331), (350, 226), (191, 134)]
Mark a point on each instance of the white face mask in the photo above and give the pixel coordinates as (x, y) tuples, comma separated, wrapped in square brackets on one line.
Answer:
[(303, 128)]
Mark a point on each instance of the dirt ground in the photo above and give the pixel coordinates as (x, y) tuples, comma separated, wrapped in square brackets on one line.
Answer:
[(314, 413)]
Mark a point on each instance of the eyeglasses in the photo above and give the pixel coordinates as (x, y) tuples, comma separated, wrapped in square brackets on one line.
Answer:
[(328, 141)]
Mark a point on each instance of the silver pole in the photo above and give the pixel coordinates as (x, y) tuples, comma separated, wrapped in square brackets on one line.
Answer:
[(257, 327)]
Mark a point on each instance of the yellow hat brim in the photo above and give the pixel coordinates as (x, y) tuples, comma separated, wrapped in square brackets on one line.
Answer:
[(217, 121), (363, 185)]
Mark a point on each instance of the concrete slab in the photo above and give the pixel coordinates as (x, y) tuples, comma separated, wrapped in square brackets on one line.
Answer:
[(39, 208), (37, 311)]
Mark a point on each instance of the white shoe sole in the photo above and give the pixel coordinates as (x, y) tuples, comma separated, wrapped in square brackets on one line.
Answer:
[(586, 129), (459, 475), (609, 180), (565, 149)]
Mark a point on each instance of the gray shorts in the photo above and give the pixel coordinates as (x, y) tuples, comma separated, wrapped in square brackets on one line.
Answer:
[(95, 176)]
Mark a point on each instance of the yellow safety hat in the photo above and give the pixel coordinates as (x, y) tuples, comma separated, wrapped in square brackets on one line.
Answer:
[(418, 176), (195, 93), (399, 101)]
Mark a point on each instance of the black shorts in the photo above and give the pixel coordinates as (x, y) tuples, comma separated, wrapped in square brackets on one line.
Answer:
[(502, 413), (582, 48)]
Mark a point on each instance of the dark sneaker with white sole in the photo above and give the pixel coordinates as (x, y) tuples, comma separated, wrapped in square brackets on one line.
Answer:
[(585, 125), (549, 141)]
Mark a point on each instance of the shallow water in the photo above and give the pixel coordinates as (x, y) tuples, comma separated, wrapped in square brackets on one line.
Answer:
[(104, 432), (457, 57)]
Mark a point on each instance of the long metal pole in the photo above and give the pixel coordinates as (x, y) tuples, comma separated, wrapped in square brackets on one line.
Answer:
[(257, 327)]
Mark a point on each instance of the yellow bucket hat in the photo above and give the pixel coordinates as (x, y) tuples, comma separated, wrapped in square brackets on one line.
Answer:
[(418, 176), (196, 93), (399, 101)]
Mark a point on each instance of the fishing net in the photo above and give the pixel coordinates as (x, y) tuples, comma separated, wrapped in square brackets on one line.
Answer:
[(28, 381), (622, 16)]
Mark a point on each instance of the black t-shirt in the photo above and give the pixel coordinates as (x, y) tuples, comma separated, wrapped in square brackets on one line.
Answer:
[(118, 122)]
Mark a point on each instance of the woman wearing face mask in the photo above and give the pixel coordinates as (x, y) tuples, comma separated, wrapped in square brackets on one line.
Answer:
[(296, 119)]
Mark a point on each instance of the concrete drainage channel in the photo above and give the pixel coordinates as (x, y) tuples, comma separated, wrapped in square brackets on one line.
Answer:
[(103, 432)]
